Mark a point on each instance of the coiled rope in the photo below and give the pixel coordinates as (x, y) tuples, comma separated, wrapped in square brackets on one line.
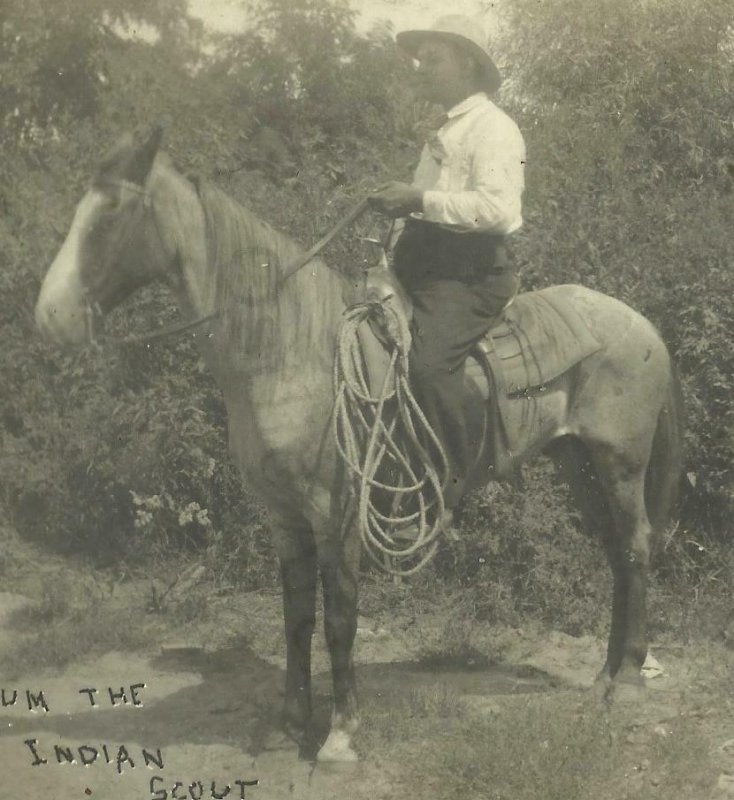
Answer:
[(397, 480)]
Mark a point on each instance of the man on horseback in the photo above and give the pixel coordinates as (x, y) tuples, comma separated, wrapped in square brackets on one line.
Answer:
[(464, 201)]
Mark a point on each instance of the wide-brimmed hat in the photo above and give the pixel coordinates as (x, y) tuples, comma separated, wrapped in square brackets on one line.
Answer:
[(464, 31)]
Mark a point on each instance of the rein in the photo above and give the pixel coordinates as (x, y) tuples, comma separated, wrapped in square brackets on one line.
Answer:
[(93, 310), (351, 217)]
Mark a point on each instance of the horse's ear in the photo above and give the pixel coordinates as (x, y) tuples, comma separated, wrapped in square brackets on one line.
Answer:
[(113, 161), (140, 165), (129, 160)]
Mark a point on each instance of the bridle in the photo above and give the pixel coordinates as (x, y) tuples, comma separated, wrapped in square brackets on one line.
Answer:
[(93, 310)]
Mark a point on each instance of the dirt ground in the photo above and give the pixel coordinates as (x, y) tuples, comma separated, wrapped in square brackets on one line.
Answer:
[(205, 719)]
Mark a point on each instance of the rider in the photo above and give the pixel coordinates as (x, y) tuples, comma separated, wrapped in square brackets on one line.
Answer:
[(465, 199)]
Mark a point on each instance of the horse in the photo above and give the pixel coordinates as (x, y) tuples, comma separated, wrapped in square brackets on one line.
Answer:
[(613, 420)]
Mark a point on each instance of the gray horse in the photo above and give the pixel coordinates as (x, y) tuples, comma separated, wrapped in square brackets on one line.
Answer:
[(613, 419)]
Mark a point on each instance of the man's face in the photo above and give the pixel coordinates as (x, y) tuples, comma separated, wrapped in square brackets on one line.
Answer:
[(444, 74)]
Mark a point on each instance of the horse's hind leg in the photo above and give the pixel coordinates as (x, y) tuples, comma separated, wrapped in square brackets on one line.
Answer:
[(609, 494), (298, 568), (576, 469), (628, 547)]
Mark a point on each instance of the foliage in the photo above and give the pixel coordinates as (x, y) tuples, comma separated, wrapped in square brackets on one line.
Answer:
[(627, 113), (120, 453), (55, 60), (521, 554), (302, 68)]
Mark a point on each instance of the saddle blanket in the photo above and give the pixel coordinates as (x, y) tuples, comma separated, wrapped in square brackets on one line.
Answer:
[(540, 336)]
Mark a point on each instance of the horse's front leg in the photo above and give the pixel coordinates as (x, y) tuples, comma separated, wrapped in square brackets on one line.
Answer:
[(339, 565), (298, 568)]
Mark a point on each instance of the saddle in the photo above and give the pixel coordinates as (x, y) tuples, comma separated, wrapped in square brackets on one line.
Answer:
[(539, 337)]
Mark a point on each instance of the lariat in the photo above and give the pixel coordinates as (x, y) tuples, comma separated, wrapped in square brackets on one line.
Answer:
[(397, 465)]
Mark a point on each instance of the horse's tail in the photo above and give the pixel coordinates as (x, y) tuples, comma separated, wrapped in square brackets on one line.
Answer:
[(663, 479)]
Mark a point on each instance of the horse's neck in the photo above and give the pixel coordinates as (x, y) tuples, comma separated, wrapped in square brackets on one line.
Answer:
[(309, 309), (182, 228), (273, 361)]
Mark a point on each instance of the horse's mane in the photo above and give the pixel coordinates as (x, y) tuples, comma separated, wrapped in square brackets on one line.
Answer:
[(268, 318)]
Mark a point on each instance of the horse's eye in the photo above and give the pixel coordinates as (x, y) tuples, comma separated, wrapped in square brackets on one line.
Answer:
[(103, 222), (111, 202)]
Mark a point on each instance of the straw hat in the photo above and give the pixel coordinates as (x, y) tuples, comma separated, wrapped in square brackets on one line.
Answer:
[(464, 31)]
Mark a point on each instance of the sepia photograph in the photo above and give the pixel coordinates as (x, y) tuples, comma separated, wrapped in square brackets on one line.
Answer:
[(366, 418)]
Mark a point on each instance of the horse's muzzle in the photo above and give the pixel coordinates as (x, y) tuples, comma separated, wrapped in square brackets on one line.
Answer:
[(63, 325)]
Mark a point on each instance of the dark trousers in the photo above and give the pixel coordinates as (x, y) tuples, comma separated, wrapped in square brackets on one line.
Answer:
[(459, 284)]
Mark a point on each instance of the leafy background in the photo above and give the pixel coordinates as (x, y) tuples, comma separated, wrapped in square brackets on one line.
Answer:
[(117, 457)]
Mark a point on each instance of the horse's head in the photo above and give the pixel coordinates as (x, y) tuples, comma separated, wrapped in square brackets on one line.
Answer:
[(108, 250)]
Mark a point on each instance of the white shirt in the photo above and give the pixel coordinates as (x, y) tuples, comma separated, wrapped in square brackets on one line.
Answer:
[(472, 170)]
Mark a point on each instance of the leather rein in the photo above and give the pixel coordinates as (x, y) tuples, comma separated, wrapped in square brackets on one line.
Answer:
[(93, 311)]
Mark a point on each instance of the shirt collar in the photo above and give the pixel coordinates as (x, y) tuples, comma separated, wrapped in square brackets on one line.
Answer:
[(468, 104)]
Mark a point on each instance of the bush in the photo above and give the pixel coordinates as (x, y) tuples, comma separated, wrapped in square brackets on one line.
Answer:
[(626, 114), (120, 453), (522, 553)]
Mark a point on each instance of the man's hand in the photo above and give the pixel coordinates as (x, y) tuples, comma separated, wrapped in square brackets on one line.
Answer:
[(396, 199)]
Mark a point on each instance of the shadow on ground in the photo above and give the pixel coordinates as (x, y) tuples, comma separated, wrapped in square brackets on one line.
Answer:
[(238, 699)]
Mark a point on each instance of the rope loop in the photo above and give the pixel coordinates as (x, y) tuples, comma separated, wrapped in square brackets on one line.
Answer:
[(397, 465)]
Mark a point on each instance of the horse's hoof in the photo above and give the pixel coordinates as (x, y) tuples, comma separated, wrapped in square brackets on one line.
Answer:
[(601, 691), (602, 685), (337, 749), (626, 692)]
